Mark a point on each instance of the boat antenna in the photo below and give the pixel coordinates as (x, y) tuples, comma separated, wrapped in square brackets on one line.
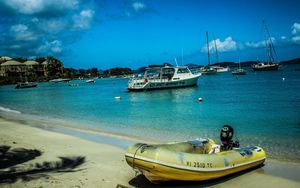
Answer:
[(182, 56), (207, 48), (176, 61), (216, 50)]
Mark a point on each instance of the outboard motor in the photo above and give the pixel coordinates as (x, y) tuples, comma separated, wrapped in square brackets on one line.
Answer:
[(226, 138)]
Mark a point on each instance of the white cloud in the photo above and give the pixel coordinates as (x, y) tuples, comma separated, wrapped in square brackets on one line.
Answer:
[(296, 28), (51, 47), (138, 6), (15, 46), (25, 6), (40, 27), (83, 20), (296, 38), (283, 37), (223, 46), (53, 26), (260, 44), (21, 32), (30, 7)]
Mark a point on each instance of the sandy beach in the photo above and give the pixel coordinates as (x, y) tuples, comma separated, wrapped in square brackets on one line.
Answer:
[(41, 158)]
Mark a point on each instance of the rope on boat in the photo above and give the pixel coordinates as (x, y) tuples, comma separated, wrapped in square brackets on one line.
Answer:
[(136, 171)]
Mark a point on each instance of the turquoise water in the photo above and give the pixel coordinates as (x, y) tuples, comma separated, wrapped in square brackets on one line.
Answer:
[(263, 108)]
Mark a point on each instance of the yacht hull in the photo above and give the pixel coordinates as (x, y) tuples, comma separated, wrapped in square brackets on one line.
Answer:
[(157, 84), (266, 68), (27, 86)]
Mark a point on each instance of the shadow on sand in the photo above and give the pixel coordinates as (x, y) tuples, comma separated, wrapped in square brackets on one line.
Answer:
[(10, 158), (142, 182)]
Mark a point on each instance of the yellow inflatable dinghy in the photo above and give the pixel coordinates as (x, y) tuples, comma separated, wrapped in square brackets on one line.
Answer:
[(191, 160)]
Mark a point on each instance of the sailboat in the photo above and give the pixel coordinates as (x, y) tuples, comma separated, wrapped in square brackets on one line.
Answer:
[(239, 71), (270, 51), (208, 70), (218, 67)]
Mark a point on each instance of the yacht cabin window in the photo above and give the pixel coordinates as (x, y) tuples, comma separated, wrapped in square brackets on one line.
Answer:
[(183, 70)]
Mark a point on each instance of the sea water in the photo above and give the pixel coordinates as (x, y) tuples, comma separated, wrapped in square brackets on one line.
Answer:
[(262, 107)]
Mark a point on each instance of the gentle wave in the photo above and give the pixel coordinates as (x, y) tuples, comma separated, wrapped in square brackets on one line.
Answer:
[(9, 110)]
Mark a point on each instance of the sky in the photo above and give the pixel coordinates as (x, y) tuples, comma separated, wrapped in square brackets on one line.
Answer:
[(136, 33)]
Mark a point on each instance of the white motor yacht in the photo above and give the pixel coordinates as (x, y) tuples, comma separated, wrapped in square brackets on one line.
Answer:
[(161, 77)]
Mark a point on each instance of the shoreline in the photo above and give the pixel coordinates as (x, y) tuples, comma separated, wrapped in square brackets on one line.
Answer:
[(103, 137), (109, 158), (89, 133), (104, 165), (70, 128)]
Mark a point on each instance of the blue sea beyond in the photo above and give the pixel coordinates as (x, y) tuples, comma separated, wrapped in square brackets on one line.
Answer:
[(263, 108)]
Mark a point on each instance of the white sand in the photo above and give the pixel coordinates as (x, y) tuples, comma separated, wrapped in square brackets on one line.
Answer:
[(105, 165)]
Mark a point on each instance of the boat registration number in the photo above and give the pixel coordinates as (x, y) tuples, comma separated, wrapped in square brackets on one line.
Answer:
[(199, 165)]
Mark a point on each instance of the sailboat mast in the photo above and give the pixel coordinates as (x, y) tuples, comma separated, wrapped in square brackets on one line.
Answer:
[(266, 41), (208, 55), (182, 56), (269, 44), (216, 51)]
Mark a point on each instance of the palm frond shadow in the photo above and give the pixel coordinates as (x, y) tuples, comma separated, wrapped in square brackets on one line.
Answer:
[(10, 173)]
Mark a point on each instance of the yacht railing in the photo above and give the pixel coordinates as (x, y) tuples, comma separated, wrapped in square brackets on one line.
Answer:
[(150, 79)]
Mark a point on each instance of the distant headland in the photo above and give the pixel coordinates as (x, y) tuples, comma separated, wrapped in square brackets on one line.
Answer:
[(14, 70)]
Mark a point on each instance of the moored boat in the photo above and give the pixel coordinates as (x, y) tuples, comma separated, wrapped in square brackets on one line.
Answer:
[(221, 69), (191, 160), (271, 54), (162, 77), (238, 72), (25, 85), (60, 80), (265, 66), (90, 81), (207, 70)]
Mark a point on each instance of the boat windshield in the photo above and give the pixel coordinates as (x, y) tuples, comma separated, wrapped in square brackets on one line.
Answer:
[(153, 73), (168, 72), (183, 70)]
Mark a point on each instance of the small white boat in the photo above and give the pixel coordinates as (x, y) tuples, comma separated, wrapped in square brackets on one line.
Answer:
[(207, 70), (25, 85), (60, 80), (162, 77), (220, 68), (90, 81), (239, 71)]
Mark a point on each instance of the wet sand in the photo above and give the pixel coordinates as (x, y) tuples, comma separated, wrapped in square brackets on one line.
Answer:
[(71, 161)]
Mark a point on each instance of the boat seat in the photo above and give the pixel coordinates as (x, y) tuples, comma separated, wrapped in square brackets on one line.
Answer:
[(198, 146), (201, 146)]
